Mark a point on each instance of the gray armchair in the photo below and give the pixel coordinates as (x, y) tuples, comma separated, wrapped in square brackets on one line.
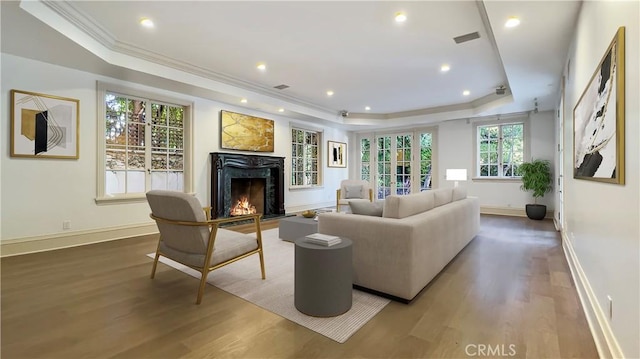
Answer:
[(189, 237)]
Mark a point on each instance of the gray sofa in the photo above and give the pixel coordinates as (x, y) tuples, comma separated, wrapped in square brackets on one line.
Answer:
[(399, 253)]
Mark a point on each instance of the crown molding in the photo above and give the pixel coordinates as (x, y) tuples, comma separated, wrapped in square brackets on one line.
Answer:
[(82, 21), (93, 29), (464, 110), (114, 51), (130, 50)]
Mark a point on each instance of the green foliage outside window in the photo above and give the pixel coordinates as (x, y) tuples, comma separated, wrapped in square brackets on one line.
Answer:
[(304, 157), (500, 150)]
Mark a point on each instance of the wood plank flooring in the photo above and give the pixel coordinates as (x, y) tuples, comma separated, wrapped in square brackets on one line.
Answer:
[(508, 293)]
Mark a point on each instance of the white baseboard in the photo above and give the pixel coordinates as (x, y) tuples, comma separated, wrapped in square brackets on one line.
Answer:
[(603, 337), (14, 247), (510, 211), (19, 246)]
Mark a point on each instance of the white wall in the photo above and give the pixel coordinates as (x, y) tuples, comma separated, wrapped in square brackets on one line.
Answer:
[(455, 150), (39, 194), (602, 219)]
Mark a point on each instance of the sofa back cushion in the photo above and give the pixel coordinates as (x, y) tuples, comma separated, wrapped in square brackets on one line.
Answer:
[(442, 196), (459, 193), (404, 206), (366, 207)]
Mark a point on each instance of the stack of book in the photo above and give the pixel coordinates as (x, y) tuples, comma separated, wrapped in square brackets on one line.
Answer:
[(323, 239)]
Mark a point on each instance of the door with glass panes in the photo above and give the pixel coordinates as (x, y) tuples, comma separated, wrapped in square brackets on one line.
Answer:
[(393, 165), (396, 163)]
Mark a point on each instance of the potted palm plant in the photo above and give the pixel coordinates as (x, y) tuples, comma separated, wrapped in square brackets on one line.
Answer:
[(536, 177)]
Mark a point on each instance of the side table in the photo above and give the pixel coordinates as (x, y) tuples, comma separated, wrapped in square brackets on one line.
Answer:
[(294, 227), (323, 278)]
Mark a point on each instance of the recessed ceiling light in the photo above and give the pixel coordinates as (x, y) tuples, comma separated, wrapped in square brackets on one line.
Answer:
[(329, 93), (400, 17), (512, 22), (146, 22), (261, 66), (367, 108), (281, 109), (244, 100), (444, 68), (466, 92)]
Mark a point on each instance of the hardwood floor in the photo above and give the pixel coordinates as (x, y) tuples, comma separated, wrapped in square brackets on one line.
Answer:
[(508, 293)]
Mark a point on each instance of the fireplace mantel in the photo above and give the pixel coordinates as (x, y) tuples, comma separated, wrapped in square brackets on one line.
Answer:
[(225, 166)]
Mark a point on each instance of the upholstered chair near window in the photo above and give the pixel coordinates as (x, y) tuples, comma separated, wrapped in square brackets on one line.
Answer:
[(189, 237), (353, 190)]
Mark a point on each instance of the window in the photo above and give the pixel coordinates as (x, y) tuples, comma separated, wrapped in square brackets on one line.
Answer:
[(142, 144), (365, 159), (426, 152), (500, 149), (305, 153)]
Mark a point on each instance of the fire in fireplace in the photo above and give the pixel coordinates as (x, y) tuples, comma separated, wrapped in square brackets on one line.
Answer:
[(247, 196), (243, 207)]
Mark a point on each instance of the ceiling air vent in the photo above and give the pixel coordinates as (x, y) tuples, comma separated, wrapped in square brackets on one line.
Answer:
[(467, 37), (281, 87)]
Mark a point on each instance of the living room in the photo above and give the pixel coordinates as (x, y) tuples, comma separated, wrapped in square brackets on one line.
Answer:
[(599, 227)]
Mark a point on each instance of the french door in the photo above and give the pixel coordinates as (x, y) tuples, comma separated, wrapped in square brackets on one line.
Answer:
[(393, 175), (399, 163)]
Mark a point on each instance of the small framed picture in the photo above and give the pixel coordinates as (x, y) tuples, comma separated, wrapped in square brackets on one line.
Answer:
[(337, 154), (44, 126)]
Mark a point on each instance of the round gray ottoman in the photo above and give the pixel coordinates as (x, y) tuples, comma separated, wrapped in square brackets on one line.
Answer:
[(323, 278)]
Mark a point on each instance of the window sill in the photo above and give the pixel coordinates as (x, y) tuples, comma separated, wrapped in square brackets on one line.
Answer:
[(132, 198), (121, 199), (497, 179), (296, 188)]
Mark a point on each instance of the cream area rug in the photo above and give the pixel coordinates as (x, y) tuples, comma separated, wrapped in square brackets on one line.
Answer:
[(275, 293)]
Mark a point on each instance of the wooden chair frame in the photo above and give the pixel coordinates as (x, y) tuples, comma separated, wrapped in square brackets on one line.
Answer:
[(207, 268)]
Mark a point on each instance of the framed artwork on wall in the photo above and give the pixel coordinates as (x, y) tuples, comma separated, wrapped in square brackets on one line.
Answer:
[(598, 120), (245, 133), (337, 154), (44, 126)]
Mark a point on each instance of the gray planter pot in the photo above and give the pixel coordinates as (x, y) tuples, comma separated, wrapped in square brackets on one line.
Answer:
[(536, 211)]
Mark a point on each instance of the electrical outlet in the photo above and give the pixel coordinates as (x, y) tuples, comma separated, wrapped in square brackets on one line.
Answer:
[(610, 307), (66, 224)]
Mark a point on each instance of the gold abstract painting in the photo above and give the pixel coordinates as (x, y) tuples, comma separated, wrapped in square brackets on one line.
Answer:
[(245, 133)]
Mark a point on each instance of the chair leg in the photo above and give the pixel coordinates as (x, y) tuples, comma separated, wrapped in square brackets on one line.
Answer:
[(155, 264), (203, 281), (262, 264)]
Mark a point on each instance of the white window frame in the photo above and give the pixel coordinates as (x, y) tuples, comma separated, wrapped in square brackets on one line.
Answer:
[(319, 158), (526, 138), (102, 89)]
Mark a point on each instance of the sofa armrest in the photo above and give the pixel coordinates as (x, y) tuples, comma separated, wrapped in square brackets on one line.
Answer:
[(382, 249)]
